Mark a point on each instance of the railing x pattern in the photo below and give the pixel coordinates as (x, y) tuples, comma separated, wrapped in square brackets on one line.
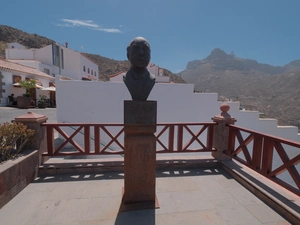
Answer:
[(256, 150), (170, 138)]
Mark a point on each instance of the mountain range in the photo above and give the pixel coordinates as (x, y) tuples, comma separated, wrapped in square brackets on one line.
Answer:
[(272, 90)]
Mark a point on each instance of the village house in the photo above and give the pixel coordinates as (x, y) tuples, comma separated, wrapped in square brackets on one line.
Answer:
[(10, 75), (54, 59)]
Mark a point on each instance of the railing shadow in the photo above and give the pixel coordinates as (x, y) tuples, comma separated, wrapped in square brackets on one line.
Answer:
[(120, 175)]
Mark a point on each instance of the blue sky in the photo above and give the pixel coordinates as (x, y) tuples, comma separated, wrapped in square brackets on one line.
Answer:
[(179, 31)]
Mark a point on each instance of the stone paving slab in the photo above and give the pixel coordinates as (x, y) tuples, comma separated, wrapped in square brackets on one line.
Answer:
[(186, 196)]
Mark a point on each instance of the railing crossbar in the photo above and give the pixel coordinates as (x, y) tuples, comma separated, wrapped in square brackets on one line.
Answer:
[(263, 148)]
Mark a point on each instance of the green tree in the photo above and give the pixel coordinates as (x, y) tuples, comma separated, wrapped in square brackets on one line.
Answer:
[(27, 85)]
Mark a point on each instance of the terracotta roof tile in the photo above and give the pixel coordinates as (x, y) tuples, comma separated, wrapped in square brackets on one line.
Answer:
[(21, 69)]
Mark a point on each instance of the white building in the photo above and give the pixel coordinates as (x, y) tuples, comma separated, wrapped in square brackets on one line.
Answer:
[(54, 59), (11, 73), (152, 68)]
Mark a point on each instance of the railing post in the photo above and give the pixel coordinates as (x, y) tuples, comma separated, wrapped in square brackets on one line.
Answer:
[(221, 133), (39, 141), (179, 137), (171, 138)]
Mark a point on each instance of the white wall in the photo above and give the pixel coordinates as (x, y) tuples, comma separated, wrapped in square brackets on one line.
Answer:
[(71, 64), (44, 55), (14, 53), (162, 79), (118, 78), (102, 102), (15, 45), (88, 65), (31, 63)]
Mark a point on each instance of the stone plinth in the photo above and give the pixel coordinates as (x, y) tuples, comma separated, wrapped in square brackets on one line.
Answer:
[(140, 155), (34, 121), (221, 132)]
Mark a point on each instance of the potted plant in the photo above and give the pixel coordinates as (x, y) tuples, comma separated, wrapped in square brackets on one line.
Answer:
[(42, 102), (24, 102), (17, 163)]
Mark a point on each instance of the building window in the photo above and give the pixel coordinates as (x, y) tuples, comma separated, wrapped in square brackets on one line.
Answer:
[(92, 72), (88, 70), (83, 68), (62, 58), (95, 73), (47, 71), (56, 59), (16, 78)]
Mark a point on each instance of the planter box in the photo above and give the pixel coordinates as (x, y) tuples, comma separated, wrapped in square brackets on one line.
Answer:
[(42, 105), (16, 174), (24, 102)]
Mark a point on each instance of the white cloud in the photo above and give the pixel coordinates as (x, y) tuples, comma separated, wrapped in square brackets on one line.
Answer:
[(86, 24)]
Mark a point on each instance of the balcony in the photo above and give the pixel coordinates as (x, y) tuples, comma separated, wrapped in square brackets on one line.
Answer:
[(207, 173)]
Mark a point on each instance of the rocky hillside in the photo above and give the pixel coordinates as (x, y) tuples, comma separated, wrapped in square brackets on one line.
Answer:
[(106, 66), (9, 34), (272, 90)]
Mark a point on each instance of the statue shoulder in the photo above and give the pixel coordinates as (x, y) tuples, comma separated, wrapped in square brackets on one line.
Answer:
[(127, 75), (151, 76)]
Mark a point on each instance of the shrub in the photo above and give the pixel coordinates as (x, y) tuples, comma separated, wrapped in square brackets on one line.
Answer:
[(13, 137), (43, 99)]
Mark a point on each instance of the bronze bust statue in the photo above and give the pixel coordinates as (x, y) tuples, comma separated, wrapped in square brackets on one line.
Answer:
[(138, 80)]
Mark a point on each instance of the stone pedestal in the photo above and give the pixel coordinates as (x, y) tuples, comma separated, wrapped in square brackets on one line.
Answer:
[(140, 155), (34, 121), (221, 133)]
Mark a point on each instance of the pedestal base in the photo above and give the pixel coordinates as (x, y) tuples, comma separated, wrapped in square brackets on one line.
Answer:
[(140, 155), (138, 205)]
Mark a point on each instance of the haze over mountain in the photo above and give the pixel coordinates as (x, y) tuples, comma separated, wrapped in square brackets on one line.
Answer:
[(272, 90)]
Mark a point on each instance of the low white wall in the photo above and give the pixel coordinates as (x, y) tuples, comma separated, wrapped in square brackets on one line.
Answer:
[(102, 102), (80, 101)]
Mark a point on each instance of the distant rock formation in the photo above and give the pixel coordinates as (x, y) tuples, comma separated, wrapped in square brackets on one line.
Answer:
[(272, 90)]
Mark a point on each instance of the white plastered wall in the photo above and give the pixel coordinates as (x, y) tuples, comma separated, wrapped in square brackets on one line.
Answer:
[(102, 102)]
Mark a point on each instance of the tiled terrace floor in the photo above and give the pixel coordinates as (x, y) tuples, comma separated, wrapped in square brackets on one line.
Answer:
[(188, 197)]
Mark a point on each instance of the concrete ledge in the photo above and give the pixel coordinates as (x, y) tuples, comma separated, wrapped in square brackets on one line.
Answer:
[(284, 202), (16, 174)]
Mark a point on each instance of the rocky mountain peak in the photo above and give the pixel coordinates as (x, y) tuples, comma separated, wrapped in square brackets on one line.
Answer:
[(218, 54)]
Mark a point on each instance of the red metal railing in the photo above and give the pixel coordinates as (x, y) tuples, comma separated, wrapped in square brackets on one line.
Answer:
[(98, 139), (258, 151)]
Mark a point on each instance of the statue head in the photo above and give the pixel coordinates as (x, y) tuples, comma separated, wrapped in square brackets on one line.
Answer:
[(138, 53)]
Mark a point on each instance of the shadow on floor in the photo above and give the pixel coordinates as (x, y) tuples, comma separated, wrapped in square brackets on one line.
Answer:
[(120, 175), (145, 217)]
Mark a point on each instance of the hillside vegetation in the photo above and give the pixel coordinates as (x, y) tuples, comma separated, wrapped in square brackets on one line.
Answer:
[(9, 34)]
